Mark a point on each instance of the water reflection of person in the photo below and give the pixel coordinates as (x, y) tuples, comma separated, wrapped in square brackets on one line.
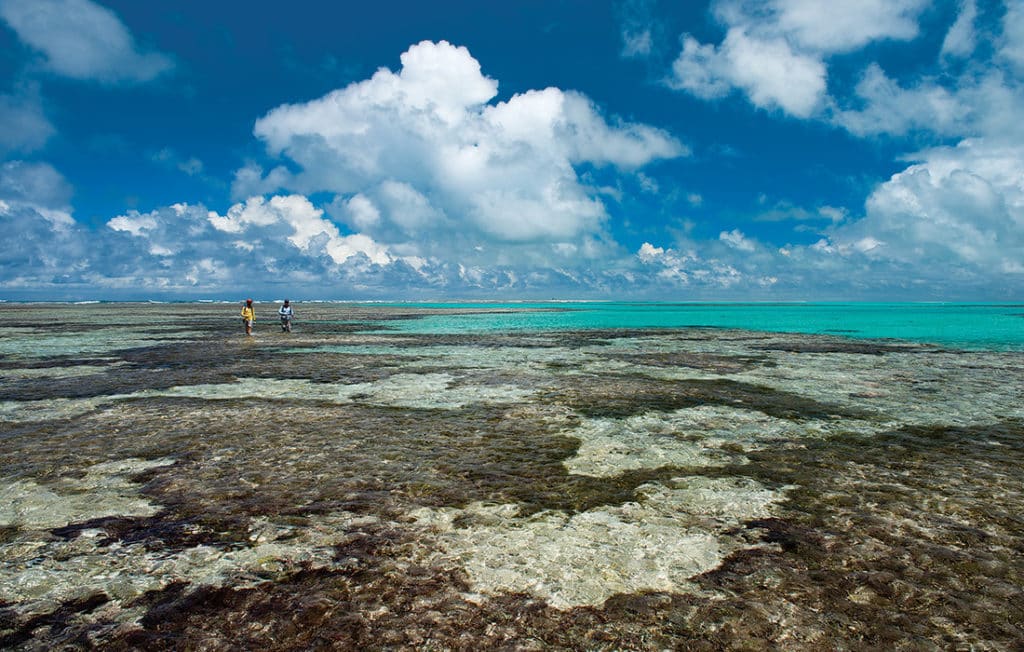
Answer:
[(286, 314), (248, 316)]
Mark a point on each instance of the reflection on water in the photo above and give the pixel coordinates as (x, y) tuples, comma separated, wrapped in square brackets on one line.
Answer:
[(167, 483)]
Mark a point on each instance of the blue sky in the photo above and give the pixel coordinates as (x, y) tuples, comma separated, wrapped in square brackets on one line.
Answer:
[(770, 150)]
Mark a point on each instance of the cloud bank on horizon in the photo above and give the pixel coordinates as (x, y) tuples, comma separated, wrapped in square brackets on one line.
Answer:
[(425, 181)]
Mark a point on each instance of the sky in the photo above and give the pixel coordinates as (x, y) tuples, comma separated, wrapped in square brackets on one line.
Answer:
[(769, 150)]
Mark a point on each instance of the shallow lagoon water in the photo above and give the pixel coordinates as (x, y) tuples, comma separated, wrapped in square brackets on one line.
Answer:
[(455, 477), (965, 325)]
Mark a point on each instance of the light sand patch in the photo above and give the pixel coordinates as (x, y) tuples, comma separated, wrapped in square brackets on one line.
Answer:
[(521, 359), (938, 388), (48, 409), (686, 437), (39, 572), (428, 391), (39, 575), (61, 372), (105, 490), (401, 390), (437, 391), (734, 499), (659, 543), (94, 342)]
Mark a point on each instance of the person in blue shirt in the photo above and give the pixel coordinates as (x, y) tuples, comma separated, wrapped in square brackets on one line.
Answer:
[(286, 314)]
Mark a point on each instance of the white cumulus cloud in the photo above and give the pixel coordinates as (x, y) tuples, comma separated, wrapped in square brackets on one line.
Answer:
[(309, 230), (773, 74), (830, 27), (958, 206), (776, 51), (737, 240), (435, 184), (283, 240), (427, 149), (769, 71), (892, 109), (36, 186), (82, 40)]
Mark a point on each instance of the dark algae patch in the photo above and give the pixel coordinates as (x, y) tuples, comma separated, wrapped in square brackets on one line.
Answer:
[(898, 551), (167, 484), (58, 624), (621, 396), (813, 344), (717, 363)]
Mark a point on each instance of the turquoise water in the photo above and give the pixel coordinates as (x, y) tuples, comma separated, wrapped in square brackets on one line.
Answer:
[(972, 326)]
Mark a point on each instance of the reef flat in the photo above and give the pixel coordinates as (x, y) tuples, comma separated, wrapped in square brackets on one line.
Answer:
[(167, 483)]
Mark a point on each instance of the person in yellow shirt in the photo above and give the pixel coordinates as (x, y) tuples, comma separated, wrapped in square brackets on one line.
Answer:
[(248, 316)]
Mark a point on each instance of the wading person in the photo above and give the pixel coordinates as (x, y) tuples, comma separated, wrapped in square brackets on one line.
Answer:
[(286, 314), (248, 316)]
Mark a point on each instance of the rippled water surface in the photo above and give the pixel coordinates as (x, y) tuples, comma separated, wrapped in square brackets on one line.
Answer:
[(167, 483)]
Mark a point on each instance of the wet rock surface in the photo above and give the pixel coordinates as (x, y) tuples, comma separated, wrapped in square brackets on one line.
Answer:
[(167, 483)]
